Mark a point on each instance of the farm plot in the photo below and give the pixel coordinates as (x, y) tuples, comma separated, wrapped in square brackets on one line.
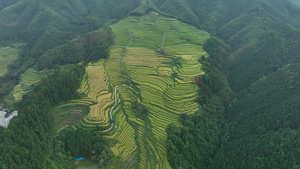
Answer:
[(98, 97), (26, 84), (162, 87), (163, 84)]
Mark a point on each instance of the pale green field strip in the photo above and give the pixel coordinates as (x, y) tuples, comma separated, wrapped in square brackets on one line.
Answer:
[(28, 79), (95, 86), (157, 88), (7, 56), (112, 66), (125, 136), (85, 86), (160, 86), (146, 150), (83, 101), (163, 82), (128, 94), (143, 57), (153, 101)]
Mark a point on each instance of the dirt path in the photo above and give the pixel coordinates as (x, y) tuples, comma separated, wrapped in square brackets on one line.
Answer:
[(122, 70), (162, 42), (129, 76), (130, 37)]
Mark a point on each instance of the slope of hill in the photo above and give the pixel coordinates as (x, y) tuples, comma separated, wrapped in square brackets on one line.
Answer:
[(256, 54), (265, 124), (46, 24), (162, 87), (259, 32), (264, 38), (43, 25)]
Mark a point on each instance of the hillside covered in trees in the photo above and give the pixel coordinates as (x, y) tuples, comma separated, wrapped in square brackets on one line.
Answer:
[(248, 99)]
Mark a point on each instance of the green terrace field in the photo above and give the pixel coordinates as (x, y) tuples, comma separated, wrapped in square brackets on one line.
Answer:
[(28, 80), (7, 56), (162, 87)]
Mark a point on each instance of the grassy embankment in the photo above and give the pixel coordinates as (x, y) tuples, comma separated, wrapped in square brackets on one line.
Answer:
[(163, 87)]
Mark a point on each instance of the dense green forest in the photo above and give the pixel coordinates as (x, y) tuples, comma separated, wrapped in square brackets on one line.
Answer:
[(261, 118), (44, 25), (248, 97), (79, 143), (87, 48), (25, 144), (195, 143)]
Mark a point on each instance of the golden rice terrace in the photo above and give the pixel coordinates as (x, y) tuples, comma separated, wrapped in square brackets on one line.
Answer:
[(162, 57)]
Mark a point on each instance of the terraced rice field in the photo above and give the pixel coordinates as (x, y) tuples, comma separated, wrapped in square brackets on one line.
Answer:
[(28, 80), (98, 96), (163, 87), (7, 56)]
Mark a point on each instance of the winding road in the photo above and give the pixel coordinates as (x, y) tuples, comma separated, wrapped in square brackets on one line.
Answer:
[(129, 76), (122, 70)]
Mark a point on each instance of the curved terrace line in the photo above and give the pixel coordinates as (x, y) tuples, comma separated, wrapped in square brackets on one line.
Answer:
[(122, 70), (129, 76)]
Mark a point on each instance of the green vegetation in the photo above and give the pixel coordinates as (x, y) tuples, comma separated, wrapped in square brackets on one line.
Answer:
[(87, 48), (261, 34), (244, 114), (69, 116), (28, 80), (30, 134), (7, 56), (270, 129), (156, 98), (194, 143), (42, 26), (89, 144), (261, 42)]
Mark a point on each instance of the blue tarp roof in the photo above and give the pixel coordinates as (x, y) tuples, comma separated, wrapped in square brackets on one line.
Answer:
[(79, 158)]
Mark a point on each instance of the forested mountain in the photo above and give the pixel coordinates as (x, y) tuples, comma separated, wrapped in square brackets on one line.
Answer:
[(261, 69), (46, 24), (25, 144), (246, 26), (249, 101), (43, 25)]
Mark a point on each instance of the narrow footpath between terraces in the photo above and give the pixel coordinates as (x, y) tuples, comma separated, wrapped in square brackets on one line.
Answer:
[(129, 76)]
